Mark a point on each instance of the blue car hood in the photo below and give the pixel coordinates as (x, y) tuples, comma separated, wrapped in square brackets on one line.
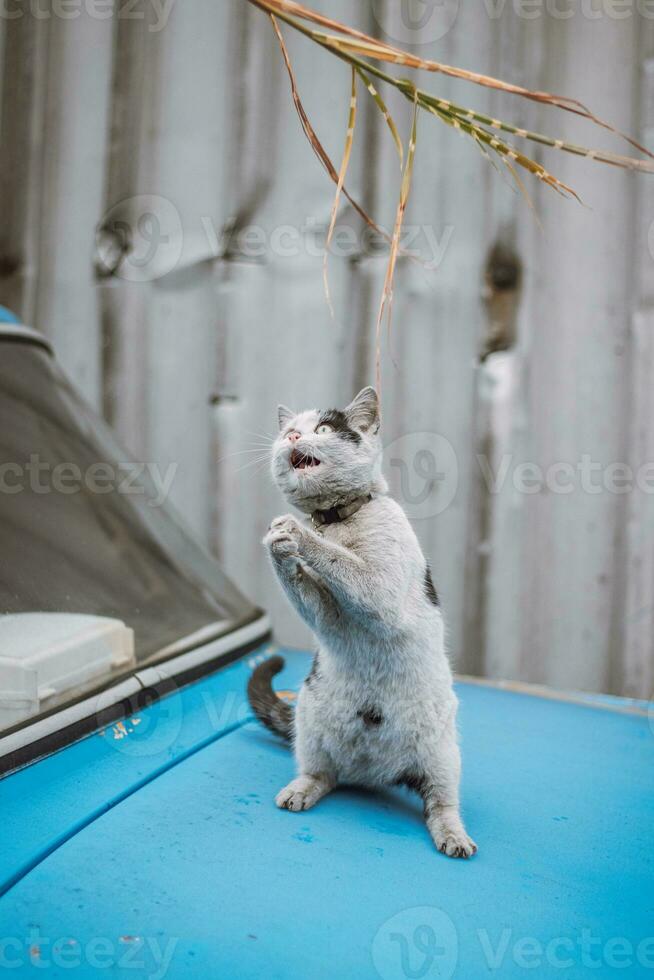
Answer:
[(154, 849)]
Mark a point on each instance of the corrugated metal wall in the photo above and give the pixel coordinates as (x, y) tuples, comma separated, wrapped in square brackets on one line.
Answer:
[(198, 305)]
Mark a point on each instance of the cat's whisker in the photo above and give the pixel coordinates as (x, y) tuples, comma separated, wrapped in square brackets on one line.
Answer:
[(261, 435), (255, 472), (258, 441), (253, 462), (254, 449), (265, 436), (261, 445), (242, 452)]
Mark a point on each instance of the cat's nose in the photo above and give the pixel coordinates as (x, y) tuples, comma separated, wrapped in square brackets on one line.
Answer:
[(294, 436)]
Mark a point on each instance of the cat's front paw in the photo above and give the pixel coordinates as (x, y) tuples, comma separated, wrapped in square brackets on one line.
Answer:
[(284, 537)]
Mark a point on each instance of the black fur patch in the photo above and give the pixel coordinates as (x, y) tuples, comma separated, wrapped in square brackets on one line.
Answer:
[(413, 780), (314, 673), (371, 717), (430, 591), (339, 423), (419, 783)]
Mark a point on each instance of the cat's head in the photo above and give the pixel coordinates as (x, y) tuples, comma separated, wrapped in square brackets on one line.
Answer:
[(322, 459)]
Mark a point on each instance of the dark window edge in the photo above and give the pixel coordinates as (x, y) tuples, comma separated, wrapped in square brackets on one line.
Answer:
[(18, 334)]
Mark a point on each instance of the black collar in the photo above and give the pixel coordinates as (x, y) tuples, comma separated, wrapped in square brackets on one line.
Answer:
[(335, 515)]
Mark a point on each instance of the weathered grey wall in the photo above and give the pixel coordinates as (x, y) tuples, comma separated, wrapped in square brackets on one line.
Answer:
[(182, 131)]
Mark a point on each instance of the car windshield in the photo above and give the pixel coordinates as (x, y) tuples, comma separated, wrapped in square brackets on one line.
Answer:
[(97, 575)]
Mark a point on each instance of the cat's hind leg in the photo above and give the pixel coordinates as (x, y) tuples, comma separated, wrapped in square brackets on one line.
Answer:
[(437, 782), (447, 831), (304, 792), (316, 772)]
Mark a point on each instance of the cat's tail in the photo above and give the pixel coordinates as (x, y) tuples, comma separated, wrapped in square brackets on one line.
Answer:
[(274, 713)]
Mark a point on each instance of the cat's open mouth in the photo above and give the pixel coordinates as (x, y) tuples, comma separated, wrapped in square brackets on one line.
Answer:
[(303, 461)]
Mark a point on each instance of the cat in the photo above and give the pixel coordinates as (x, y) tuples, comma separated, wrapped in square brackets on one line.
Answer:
[(377, 708)]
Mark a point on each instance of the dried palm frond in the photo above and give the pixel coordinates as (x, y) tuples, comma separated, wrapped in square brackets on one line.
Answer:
[(386, 303), (315, 143), (354, 45), (347, 153), (381, 105), (310, 133), (364, 54)]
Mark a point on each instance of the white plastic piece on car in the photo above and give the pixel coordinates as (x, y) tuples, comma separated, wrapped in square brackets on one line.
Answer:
[(46, 655)]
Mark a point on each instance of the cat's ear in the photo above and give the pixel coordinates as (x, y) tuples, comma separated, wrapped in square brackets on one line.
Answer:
[(363, 412), (285, 415)]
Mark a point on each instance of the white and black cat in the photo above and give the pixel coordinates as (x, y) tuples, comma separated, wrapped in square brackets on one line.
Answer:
[(378, 707)]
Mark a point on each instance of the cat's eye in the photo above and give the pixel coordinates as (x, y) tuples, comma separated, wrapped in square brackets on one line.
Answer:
[(324, 429)]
